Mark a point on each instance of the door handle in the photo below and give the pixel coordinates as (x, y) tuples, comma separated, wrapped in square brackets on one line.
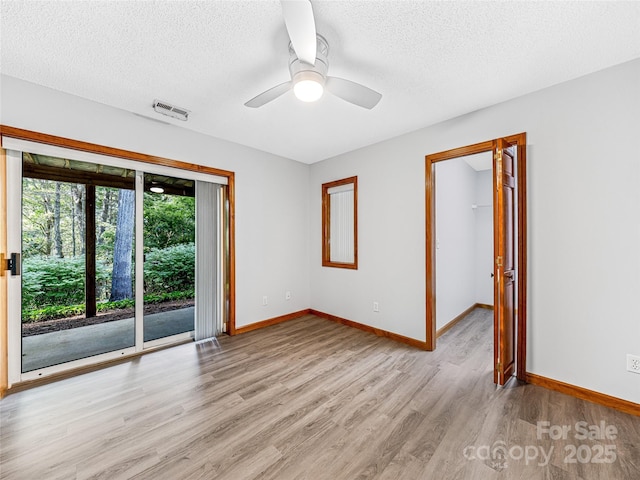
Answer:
[(13, 264)]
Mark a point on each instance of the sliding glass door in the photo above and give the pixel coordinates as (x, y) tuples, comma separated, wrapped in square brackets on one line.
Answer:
[(106, 259), (169, 256), (77, 255)]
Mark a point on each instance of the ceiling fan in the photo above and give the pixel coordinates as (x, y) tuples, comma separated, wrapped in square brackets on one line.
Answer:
[(308, 64)]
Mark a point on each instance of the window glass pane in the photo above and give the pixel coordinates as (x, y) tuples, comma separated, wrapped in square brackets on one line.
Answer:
[(169, 252), (342, 217), (339, 223), (78, 227)]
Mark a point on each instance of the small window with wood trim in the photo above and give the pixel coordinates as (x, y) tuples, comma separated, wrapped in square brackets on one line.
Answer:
[(340, 223)]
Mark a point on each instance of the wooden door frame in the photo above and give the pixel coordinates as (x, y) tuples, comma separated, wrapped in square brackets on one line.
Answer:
[(520, 140)]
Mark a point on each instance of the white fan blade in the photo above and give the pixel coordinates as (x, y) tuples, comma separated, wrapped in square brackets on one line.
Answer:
[(269, 95), (353, 92), (301, 26)]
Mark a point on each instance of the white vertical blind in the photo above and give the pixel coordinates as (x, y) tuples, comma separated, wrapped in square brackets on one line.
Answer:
[(342, 224), (208, 264)]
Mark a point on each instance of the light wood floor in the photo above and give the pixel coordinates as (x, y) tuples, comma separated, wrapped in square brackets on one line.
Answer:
[(307, 399)]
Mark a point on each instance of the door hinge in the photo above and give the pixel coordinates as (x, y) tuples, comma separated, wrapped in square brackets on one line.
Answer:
[(499, 260), (499, 366)]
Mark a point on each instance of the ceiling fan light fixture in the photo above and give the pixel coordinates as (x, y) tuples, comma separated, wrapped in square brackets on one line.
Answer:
[(308, 86)]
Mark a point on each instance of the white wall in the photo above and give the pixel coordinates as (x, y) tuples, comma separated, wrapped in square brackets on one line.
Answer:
[(483, 255), (455, 239), (391, 249), (272, 252), (583, 227)]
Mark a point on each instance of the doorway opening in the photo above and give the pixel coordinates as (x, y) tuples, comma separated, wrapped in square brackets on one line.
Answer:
[(464, 238), (509, 250)]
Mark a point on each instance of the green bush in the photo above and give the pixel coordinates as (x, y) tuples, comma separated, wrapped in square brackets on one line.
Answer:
[(51, 281), (169, 296), (170, 269), (50, 313), (55, 287), (62, 311)]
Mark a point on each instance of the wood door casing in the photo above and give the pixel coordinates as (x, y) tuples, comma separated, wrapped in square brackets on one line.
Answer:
[(505, 264), (518, 142)]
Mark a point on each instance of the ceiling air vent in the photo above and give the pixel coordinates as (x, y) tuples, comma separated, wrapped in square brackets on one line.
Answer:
[(166, 108)]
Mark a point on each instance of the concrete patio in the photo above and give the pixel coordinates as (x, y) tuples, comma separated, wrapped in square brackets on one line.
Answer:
[(40, 351)]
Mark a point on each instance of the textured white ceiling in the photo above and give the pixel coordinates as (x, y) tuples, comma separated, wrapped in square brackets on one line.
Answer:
[(431, 60)]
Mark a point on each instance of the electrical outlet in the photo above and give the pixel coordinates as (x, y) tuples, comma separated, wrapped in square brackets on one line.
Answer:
[(265, 301), (376, 307), (633, 363), (287, 295)]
